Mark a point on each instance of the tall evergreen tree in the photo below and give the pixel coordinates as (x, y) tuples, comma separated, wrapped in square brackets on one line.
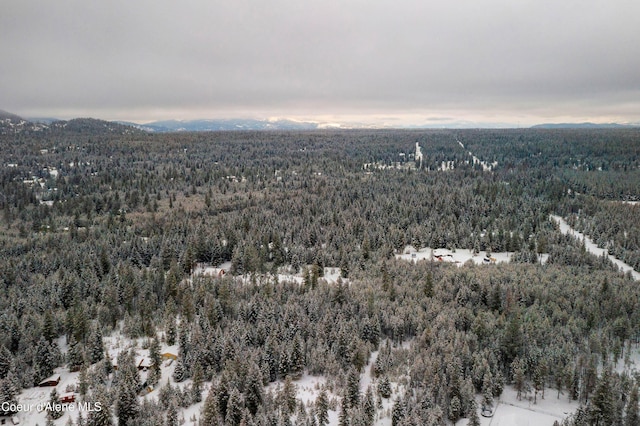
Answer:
[(210, 412), (343, 416), (369, 406), (44, 360), (474, 419), (602, 410), (384, 387), (102, 417), (398, 412), (519, 377), (154, 354), (7, 397), (96, 350), (455, 409), (322, 408), (5, 361), (171, 418), (234, 408), (353, 388), (632, 417), (54, 403), (288, 396), (253, 389), (196, 386), (128, 382), (75, 355), (297, 359)]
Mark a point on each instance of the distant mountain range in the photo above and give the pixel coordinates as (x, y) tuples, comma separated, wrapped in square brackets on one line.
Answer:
[(582, 126), (230, 124), (12, 123)]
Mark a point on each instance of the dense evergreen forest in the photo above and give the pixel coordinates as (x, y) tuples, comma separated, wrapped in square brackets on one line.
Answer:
[(102, 226)]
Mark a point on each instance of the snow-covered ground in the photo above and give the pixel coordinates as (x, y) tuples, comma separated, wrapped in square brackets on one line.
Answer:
[(309, 387), (592, 247), (331, 274), (487, 167), (513, 412), (459, 256)]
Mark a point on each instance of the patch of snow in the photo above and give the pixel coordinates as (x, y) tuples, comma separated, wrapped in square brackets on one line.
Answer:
[(459, 256)]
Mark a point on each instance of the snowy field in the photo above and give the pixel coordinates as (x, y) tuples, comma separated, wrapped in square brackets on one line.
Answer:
[(458, 256), (331, 274), (511, 412)]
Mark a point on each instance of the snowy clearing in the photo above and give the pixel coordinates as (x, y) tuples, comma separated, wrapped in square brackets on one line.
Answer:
[(458, 256)]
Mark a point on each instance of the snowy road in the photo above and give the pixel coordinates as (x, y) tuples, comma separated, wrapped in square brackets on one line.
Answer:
[(593, 247)]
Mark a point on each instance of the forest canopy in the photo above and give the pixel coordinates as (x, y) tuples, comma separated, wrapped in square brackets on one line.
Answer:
[(101, 232)]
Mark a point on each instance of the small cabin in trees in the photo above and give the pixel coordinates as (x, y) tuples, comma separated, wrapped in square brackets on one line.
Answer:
[(169, 355), (203, 269), (144, 364), (50, 381), (68, 398)]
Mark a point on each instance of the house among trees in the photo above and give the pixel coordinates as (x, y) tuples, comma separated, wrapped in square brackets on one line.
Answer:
[(204, 269), (169, 355), (50, 381), (144, 363), (68, 398)]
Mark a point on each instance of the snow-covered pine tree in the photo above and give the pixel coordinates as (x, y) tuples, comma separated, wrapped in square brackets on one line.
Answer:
[(398, 412), (75, 355), (127, 385), (210, 411), (7, 397), (343, 416), (384, 387), (196, 387), (474, 419), (172, 414), (5, 362), (234, 408), (288, 396), (322, 408), (455, 409), (179, 373), (102, 417), (253, 389), (154, 354), (297, 358), (632, 417), (44, 360), (96, 350), (369, 406), (353, 388), (54, 402)]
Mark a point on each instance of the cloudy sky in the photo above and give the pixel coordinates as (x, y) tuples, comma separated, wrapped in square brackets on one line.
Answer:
[(387, 62)]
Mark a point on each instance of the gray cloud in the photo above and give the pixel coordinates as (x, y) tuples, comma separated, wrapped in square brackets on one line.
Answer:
[(201, 58)]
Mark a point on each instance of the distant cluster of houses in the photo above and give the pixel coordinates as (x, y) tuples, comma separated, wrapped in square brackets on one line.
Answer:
[(142, 363)]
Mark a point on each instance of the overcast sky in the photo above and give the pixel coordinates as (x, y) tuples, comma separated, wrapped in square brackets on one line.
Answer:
[(391, 62)]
